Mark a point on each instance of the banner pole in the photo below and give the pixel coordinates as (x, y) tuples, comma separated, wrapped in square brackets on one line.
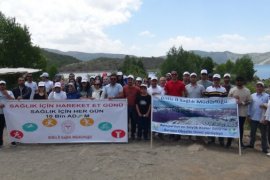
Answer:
[(240, 148)]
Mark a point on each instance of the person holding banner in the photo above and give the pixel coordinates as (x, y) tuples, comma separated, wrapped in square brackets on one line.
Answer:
[(216, 90), (256, 114), (114, 89), (4, 96), (57, 93), (41, 92), (143, 108), (22, 91), (243, 98)]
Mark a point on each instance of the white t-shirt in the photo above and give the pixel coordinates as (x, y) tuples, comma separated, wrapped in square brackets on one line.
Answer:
[(48, 85), (3, 99), (57, 96), (33, 86), (155, 91)]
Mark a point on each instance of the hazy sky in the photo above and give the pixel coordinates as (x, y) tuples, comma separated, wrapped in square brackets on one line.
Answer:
[(145, 27)]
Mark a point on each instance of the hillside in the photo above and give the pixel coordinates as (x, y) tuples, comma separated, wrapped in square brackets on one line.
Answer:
[(108, 64), (57, 59)]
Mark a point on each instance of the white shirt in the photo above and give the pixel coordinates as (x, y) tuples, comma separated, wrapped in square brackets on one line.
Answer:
[(3, 99), (48, 85), (58, 96), (33, 86), (155, 91)]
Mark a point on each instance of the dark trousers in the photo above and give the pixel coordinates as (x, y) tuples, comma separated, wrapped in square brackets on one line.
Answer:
[(241, 127), (2, 126), (132, 115), (143, 127), (263, 128), (268, 129)]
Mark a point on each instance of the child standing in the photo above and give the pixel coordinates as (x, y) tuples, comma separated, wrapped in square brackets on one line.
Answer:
[(143, 108)]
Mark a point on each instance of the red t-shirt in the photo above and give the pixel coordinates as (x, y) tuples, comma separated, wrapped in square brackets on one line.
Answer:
[(175, 88), (130, 92)]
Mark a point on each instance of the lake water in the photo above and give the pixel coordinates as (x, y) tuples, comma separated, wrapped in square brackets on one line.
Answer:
[(262, 71)]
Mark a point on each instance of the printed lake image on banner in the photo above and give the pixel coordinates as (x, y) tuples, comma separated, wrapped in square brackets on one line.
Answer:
[(190, 116), (67, 121)]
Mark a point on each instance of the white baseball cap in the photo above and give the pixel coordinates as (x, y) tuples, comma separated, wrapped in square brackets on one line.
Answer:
[(193, 74), (44, 74), (216, 76), (204, 71), (260, 82), (84, 80), (57, 84), (3, 82), (186, 73), (130, 76), (143, 85), (119, 73), (227, 75), (154, 78), (138, 79), (41, 83)]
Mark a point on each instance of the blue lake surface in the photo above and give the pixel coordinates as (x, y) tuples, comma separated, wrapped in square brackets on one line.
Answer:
[(262, 71)]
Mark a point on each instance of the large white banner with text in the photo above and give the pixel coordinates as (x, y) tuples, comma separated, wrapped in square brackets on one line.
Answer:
[(68, 121)]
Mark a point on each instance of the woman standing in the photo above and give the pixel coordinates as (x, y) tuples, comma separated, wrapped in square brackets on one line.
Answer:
[(97, 93), (41, 92)]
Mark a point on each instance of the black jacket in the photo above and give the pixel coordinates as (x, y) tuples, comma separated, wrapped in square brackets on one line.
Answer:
[(25, 93)]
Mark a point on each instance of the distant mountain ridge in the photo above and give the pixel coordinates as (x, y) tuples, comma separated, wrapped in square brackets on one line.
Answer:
[(218, 57)]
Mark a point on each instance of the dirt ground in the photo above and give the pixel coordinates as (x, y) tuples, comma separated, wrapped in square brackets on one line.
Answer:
[(136, 160)]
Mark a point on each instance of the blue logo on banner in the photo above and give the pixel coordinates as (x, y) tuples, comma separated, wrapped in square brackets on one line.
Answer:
[(105, 126), (30, 127)]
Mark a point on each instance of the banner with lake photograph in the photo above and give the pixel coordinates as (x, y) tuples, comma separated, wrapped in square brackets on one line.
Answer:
[(67, 121), (199, 117)]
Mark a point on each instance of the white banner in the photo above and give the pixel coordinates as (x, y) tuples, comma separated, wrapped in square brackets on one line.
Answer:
[(69, 121)]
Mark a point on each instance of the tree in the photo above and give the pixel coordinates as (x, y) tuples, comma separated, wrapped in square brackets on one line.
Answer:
[(16, 49), (181, 61), (133, 65), (244, 67)]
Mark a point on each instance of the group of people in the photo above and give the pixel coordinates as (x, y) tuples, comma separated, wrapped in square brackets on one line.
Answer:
[(139, 91)]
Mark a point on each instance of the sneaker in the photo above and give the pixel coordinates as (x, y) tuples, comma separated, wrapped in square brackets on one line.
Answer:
[(265, 151), (13, 143), (268, 154)]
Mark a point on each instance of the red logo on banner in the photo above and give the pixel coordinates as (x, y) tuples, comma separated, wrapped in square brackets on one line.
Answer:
[(118, 133), (16, 134)]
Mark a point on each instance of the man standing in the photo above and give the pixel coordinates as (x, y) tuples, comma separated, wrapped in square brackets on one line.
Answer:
[(154, 88), (242, 96), (57, 93), (130, 91), (204, 79), (256, 114), (227, 85), (4, 96), (194, 90), (113, 90), (175, 87), (48, 83), (186, 78), (30, 83), (22, 91), (216, 90)]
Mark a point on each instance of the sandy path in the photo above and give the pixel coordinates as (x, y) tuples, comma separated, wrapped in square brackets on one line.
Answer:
[(136, 160)]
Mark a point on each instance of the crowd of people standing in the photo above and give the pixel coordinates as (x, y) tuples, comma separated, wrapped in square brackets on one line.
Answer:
[(139, 91)]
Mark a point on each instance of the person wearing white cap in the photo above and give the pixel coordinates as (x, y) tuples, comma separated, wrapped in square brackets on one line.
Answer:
[(256, 114), (143, 108), (138, 82), (41, 92), (130, 91), (154, 88), (85, 89), (4, 96), (216, 90), (48, 83), (204, 79), (120, 78), (57, 93), (194, 90), (186, 77)]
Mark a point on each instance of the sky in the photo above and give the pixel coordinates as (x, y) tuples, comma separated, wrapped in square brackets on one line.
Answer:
[(144, 27)]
